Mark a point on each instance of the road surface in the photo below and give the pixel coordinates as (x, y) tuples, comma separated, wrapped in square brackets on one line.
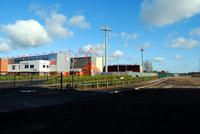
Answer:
[(146, 111)]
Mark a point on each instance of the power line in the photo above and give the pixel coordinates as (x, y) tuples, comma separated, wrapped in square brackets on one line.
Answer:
[(105, 29)]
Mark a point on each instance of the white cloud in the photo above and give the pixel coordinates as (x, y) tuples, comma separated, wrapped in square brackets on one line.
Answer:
[(129, 36), (178, 57), (26, 33), (181, 42), (113, 35), (55, 26), (43, 11), (38, 10), (195, 32), (4, 45), (159, 60), (166, 12), (79, 21), (130, 59), (126, 45), (98, 48), (117, 54), (145, 45)]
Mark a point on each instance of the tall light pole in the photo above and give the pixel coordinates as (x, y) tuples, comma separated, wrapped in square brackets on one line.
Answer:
[(199, 66), (142, 51), (105, 29)]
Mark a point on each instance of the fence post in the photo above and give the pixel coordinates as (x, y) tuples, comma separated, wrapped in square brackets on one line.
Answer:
[(14, 81), (83, 86), (106, 84), (31, 78), (72, 80), (97, 85), (47, 76), (61, 80)]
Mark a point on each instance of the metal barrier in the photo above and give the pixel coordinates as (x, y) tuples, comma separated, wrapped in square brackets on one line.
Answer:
[(68, 82)]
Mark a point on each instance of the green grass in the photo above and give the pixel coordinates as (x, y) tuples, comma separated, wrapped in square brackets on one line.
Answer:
[(21, 77), (97, 78), (81, 81)]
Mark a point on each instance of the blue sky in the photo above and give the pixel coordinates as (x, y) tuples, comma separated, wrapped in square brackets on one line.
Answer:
[(167, 29)]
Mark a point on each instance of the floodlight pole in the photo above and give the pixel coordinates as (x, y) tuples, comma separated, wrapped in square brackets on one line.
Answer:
[(105, 30), (199, 65), (142, 51)]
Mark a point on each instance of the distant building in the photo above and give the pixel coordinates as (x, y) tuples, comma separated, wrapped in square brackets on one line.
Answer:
[(48, 63), (124, 68), (3, 66), (86, 65), (53, 63), (35, 66)]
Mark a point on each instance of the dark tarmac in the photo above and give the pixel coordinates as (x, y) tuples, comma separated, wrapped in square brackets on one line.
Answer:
[(31, 97), (145, 111)]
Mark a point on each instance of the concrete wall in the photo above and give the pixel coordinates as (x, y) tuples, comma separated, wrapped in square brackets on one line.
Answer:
[(98, 63), (63, 63), (142, 74)]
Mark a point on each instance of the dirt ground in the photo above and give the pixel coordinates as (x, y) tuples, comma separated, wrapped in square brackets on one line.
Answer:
[(147, 111), (180, 82)]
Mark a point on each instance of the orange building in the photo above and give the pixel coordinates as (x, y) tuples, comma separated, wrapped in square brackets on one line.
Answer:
[(3, 66), (84, 66)]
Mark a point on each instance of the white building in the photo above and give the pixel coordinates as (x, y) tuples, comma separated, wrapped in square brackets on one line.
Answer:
[(42, 66), (52, 63), (56, 63)]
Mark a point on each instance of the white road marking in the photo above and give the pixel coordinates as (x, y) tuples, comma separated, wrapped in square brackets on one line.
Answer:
[(153, 84), (29, 104)]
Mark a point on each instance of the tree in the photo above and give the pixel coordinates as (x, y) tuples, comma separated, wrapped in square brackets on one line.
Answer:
[(148, 66)]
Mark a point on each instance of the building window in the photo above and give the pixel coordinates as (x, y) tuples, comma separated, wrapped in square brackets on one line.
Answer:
[(47, 66), (31, 66), (43, 66), (13, 67), (26, 66)]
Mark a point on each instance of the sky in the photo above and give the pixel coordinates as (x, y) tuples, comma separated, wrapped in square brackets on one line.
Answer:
[(168, 30)]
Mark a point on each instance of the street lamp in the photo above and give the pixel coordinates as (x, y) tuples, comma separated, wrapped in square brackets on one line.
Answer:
[(142, 51), (105, 29)]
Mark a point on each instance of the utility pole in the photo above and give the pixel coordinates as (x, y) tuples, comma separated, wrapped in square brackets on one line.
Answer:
[(105, 29), (142, 51), (118, 64), (199, 66)]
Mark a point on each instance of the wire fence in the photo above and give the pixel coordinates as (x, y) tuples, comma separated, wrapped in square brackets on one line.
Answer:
[(17, 80), (61, 81)]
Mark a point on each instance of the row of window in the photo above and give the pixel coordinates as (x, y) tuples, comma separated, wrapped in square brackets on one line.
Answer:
[(31, 66), (30, 58)]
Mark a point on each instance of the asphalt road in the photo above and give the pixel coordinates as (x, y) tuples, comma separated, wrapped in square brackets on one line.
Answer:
[(145, 111), (27, 98)]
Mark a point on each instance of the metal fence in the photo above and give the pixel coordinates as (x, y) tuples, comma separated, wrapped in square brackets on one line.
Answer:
[(22, 80), (60, 81)]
